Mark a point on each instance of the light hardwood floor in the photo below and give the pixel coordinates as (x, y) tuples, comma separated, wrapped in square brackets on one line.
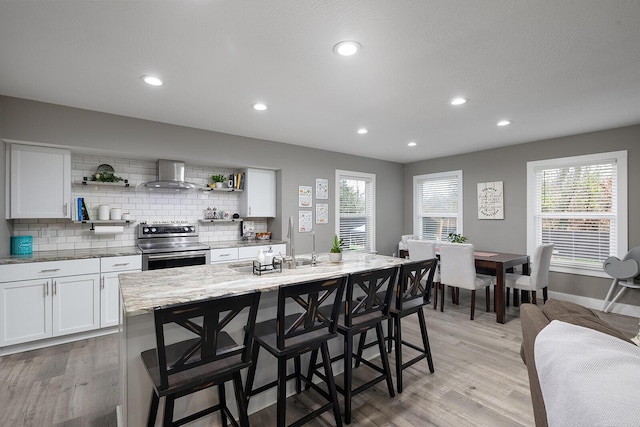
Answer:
[(479, 379)]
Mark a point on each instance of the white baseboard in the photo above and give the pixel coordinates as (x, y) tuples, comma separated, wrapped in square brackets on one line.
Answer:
[(597, 304)]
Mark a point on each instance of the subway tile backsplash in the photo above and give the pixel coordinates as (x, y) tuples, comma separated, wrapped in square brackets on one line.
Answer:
[(140, 202)]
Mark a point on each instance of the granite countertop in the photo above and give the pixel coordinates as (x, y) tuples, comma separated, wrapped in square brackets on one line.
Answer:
[(143, 291), (70, 255), (242, 243)]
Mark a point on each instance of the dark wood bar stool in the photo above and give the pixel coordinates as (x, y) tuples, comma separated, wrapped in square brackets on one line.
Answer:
[(300, 328), (211, 358), (409, 298), (366, 306)]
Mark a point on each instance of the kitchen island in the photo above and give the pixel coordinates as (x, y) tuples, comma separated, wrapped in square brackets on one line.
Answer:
[(142, 292)]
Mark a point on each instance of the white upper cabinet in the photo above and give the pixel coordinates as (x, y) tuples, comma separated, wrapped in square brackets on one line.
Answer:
[(38, 182), (259, 196)]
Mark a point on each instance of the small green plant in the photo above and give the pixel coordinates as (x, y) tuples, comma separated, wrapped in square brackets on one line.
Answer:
[(218, 178), (106, 177), (337, 245), (456, 238)]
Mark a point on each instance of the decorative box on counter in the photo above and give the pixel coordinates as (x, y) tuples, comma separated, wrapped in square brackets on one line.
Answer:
[(275, 266)]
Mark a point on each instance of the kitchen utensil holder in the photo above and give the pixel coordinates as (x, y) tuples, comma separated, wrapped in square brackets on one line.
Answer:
[(274, 267)]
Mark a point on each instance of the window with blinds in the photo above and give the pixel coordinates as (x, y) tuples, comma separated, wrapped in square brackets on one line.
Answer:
[(437, 205), (355, 204), (579, 204)]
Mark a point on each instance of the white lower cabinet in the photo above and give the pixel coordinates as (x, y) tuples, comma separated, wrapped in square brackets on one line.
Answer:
[(48, 299), (250, 252), (224, 255), (76, 304), (42, 300), (109, 286), (25, 308)]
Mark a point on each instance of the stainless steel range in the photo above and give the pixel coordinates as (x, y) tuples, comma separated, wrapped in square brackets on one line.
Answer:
[(168, 245)]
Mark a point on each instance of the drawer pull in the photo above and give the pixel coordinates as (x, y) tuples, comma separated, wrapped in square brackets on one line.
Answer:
[(122, 264), (221, 255), (51, 270)]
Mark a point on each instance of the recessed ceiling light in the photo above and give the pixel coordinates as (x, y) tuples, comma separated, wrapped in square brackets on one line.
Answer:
[(504, 123), (362, 131), (152, 80), (458, 101), (347, 48), (258, 106), (412, 144)]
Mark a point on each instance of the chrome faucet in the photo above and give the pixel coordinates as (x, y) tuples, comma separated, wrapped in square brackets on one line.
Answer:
[(291, 259), (314, 257)]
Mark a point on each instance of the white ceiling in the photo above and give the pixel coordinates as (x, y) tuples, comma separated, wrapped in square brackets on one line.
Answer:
[(553, 67)]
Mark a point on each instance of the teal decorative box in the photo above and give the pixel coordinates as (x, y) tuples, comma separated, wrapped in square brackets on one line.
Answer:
[(21, 245)]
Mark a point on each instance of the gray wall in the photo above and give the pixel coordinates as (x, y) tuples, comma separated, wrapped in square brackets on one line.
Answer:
[(5, 226), (89, 131), (509, 164)]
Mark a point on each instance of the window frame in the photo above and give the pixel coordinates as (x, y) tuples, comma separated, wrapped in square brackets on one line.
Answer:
[(365, 176), (417, 181), (621, 200)]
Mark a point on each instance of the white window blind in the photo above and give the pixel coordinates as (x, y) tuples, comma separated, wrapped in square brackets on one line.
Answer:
[(355, 195), (580, 207), (437, 205)]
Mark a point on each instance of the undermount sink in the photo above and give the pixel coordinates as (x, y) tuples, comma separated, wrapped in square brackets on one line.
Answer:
[(303, 262), (247, 267), (242, 268)]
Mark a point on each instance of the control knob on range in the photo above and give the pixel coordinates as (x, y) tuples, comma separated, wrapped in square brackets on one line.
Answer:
[(153, 230), (145, 230), (186, 228)]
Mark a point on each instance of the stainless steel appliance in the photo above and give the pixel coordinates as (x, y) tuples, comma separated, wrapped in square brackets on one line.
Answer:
[(168, 245)]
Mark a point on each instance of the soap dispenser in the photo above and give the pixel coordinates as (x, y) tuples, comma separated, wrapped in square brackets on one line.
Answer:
[(268, 257)]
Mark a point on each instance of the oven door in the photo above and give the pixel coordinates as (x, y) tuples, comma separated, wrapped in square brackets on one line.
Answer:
[(174, 259)]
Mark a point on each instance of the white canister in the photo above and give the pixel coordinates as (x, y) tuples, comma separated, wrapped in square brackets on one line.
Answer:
[(103, 212), (116, 213)]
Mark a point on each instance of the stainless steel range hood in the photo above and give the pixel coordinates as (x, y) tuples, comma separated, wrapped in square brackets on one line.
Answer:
[(171, 176)]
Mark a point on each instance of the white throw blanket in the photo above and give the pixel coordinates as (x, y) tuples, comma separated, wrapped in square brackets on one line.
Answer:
[(587, 378)]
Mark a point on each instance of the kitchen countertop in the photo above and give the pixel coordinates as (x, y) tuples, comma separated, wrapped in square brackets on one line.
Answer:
[(242, 243), (70, 255), (143, 291)]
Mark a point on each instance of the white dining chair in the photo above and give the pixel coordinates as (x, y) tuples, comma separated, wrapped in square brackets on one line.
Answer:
[(420, 250), (458, 269), (404, 239), (539, 277)]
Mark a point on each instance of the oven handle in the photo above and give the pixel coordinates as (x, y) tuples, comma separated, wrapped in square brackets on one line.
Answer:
[(175, 255)]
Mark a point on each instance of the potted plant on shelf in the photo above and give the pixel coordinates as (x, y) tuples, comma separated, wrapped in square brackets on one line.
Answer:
[(335, 255), (218, 180)]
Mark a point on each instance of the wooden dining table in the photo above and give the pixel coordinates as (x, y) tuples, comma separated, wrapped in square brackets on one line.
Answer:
[(497, 264)]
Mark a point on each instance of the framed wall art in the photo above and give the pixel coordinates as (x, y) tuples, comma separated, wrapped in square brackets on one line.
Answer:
[(490, 200)]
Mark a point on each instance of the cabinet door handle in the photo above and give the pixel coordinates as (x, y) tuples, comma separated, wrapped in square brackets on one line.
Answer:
[(55, 288), (102, 283), (64, 209), (51, 270), (122, 264), (46, 288)]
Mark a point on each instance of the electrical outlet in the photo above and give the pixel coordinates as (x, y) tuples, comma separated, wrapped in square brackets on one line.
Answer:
[(44, 232)]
